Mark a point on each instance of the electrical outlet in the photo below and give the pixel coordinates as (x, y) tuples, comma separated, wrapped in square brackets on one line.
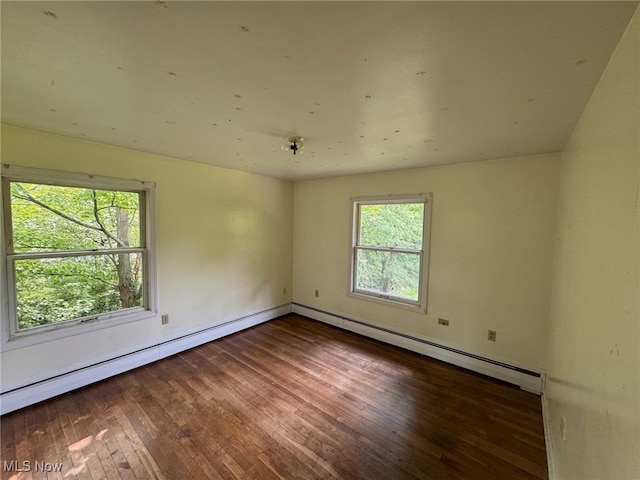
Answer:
[(284, 291), (443, 321), (317, 293), (491, 336), (165, 319)]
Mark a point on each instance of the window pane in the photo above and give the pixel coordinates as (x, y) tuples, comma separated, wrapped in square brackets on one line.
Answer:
[(51, 217), (389, 273), (392, 225), (54, 290)]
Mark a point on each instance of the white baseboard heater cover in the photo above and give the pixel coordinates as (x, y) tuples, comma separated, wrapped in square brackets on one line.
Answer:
[(56, 383), (526, 379)]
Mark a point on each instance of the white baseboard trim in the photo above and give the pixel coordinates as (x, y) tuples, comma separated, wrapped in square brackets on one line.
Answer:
[(548, 442), (56, 383), (529, 380)]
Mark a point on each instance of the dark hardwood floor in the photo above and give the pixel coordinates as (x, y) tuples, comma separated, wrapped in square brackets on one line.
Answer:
[(288, 399)]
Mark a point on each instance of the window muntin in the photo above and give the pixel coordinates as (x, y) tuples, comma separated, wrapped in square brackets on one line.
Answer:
[(389, 249), (77, 250)]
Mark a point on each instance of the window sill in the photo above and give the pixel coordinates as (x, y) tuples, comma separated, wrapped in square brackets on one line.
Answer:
[(389, 302), (65, 330)]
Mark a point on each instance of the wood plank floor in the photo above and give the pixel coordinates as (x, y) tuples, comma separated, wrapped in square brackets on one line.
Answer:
[(288, 399)]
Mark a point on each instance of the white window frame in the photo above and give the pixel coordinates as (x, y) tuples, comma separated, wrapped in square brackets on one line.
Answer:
[(421, 304), (11, 337)]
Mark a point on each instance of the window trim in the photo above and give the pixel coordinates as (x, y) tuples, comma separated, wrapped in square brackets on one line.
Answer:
[(416, 306), (11, 338)]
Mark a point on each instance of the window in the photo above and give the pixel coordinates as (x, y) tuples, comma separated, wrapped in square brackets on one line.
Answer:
[(390, 239), (78, 251)]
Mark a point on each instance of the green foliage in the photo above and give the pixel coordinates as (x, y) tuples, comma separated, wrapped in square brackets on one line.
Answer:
[(51, 217), (394, 226), (48, 218)]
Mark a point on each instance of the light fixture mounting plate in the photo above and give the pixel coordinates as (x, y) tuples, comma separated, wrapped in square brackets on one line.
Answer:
[(296, 144)]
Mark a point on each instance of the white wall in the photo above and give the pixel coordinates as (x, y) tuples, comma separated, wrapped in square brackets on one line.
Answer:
[(224, 243), (594, 355), (492, 243)]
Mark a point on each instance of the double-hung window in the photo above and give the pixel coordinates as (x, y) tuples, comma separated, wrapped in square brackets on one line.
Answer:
[(78, 252), (390, 246)]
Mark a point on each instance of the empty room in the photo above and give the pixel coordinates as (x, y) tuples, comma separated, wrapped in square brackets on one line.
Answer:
[(320, 240)]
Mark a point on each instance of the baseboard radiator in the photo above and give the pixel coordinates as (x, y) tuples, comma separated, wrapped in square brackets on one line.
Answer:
[(35, 390), (56, 383), (526, 379)]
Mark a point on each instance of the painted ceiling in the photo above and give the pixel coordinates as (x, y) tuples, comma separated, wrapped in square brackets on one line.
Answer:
[(371, 86)]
